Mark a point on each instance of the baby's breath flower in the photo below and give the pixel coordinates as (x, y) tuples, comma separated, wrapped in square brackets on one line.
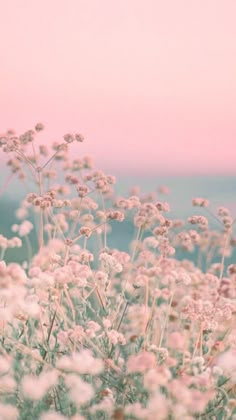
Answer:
[(79, 138), (200, 202), (39, 127), (69, 138), (8, 412)]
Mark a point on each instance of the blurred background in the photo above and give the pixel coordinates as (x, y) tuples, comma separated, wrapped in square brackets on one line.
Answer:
[(151, 84)]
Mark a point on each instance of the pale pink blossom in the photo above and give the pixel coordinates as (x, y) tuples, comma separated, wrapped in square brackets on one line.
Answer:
[(141, 362), (82, 362), (7, 384), (157, 407), (137, 411), (176, 340), (52, 415), (8, 412), (80, 391), (5, 364), (35, 387), (23, 229), (115, 337), (201, 202), (92, 328), (227, 361)]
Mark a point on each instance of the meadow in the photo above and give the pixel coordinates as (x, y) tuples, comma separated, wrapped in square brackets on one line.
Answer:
[(92, 329)]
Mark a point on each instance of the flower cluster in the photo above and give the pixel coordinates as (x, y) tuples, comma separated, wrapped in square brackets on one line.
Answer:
[(90, 331)]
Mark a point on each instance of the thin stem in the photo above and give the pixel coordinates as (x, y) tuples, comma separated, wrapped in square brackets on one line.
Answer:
[(213, 215), (105, 224), (29, 249), (146, 307), (100, 298), (21, 154), (66, 254), (69, 300), (41, 237), (136, 243), (223, 256), (92, 230), (148, 324), (197, 343), (127, 275), (53, 156), (34, 152), (166, 320), (85, 242), (3, 250), (50, 212), (123, 314), (201, 341)]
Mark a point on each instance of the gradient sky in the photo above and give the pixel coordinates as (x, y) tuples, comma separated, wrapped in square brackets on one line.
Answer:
[(150, 83)]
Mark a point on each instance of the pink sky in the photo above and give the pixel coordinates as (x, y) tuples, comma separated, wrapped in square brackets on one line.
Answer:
[(151, 84)]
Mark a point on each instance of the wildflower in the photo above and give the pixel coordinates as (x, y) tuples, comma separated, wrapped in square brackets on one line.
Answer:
[(223, 212), (115, 337), (134, 201), (86, 257), (153, 378), (24, 228), (176, 340), (3, 242), (52, 415), (200, 202), (87, 162), (69, 138), (141, 362), (79, 138), (8, 412), (27, 137), (151, 242), (107, 323), (5, 364), (85, 231), (227, 361), (165, 248), (80, 391), (39, 127), (7, 384), (82, 190), (92, 328), (43, 150), (198, 220), (36, 387), (231, 270), (198, 400), (160, 231), (81, 362), (115, 215), (162, 206), (109, 262), (122, 203), (157, 407), (217, 371), (72, 179), (3, 140), (77, 417), (136, 410)]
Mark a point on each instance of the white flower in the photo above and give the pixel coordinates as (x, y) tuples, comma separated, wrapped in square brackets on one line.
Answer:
[(110, 263)]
